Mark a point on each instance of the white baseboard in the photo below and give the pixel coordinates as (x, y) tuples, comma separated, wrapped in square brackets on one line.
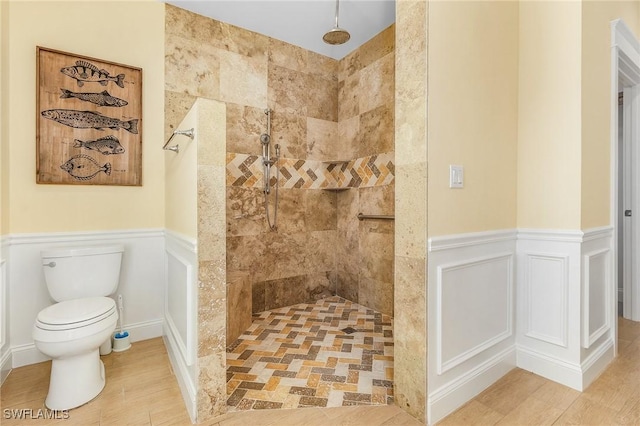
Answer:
[(448, 398), (597, 362), (577, 377), (145, 330), (28, 354), (180, 370), (552, 368), (5, 366)]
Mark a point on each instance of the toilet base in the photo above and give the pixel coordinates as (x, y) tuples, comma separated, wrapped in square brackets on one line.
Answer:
[(75, 380)]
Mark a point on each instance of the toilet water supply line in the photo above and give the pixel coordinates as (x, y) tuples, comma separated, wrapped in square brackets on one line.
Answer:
[(121, 334)]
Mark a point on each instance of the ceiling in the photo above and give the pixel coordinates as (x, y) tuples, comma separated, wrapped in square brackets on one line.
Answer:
[(301, 22)]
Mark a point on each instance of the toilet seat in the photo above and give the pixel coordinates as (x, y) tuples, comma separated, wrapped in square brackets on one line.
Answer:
[(75, 313), (75, 319)]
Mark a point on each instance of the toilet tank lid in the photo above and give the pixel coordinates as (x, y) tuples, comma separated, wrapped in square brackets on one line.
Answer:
[(81, 251)]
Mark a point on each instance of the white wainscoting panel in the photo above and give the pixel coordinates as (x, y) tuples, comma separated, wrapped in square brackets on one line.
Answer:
[(179, 302), (565, 294), (5, 349), (473, 307), (546, 287), (471, 316), (141, 283), (181, 313), (3, 302), (548, 299), (599, 306), (596, 300)]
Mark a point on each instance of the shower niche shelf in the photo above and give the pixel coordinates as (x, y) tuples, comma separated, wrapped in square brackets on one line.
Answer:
[(335, 161)]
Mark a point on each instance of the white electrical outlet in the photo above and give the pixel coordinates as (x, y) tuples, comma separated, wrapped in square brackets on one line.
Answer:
[(456, 176)]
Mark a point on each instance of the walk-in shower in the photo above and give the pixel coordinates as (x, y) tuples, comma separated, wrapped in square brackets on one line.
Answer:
[(267, 162)]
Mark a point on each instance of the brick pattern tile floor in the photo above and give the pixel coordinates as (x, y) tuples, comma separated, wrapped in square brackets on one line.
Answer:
[(330, 353)]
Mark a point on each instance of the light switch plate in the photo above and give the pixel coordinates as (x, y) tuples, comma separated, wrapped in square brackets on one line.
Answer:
[(456, 176)]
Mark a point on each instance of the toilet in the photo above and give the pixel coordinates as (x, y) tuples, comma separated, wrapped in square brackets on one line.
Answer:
[(72, 330)]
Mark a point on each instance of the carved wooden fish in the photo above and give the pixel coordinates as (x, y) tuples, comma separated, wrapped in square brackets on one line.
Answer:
[(83, 167), (107, 145), (84, 71), (102, 98), (89, 120)]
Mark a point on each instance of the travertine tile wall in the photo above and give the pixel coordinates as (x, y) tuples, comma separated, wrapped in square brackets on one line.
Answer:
[(212, 270), (238, 305), (245, 170), (410, 320), (193, 71), (366, 128), (250, 72), (296, 264), (323, 111)]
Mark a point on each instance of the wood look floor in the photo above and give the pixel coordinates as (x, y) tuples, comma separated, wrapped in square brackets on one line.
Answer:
[(142, 390), (522, 398)]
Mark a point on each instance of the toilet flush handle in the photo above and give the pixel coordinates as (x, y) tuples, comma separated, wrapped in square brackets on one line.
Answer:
[(50, 264)]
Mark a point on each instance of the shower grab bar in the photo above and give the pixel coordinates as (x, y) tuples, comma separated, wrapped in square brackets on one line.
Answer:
[(175, 148), (373, 216)]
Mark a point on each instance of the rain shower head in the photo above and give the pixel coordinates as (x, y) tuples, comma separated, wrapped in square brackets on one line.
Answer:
[(336, 35)]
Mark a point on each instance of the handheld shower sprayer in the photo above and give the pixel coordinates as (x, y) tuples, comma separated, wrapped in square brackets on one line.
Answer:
[(265, 139), (267, 162)]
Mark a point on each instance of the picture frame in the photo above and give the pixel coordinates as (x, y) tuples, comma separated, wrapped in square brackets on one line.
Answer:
[(88, 120)]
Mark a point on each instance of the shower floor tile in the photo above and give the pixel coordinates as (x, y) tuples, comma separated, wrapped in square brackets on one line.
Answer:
[(331, 353)]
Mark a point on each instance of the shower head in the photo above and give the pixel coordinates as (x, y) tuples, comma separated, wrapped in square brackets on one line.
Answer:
[(265, 138), (336, 35)]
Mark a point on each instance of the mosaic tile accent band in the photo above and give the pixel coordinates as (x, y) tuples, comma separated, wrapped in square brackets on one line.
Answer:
[(330, 353), (375, 170)]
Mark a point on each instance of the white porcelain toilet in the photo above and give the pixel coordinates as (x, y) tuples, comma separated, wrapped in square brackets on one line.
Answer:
[(72, 330)]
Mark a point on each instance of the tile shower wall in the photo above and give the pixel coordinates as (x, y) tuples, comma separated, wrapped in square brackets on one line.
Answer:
[(366, 128), (410, 350), (332, 118), (296, 264), (374, 170)]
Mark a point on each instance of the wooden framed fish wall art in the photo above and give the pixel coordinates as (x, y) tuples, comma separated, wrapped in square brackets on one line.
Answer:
[(89, 121)]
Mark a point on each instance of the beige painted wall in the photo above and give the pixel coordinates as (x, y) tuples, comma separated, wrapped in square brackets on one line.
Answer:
[(596, 103), (4, 122), (549, 113), (181, 179), (126, 32), (473, 115)]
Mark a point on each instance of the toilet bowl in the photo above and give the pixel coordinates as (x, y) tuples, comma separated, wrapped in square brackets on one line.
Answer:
[(71, 331)]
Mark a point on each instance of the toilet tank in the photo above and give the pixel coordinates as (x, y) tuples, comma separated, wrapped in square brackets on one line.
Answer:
[(77, 272)]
